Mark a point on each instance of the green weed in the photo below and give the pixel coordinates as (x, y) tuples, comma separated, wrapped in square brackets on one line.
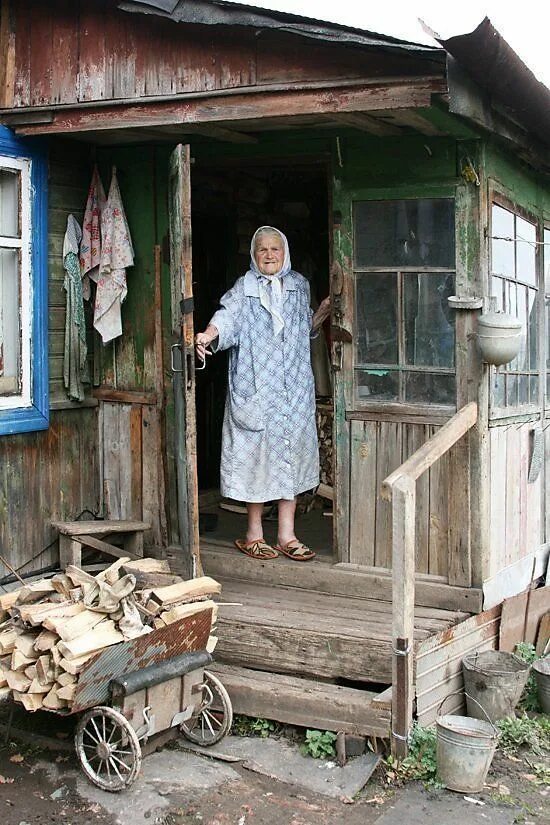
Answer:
[(524, 732), (319, 744), (421, 763), (529, 698), (247, 726)]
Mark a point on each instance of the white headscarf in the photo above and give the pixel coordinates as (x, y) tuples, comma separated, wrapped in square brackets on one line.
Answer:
[(271, 286)]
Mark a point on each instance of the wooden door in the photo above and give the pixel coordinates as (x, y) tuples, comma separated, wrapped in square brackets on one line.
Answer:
[(187, 562)]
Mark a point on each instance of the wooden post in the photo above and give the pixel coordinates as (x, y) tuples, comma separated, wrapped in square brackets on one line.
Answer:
[(403, 569)]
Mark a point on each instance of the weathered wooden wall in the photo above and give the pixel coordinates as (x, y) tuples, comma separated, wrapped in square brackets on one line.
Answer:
[(43, 476), (517, 528), (377, 449), (68, 52)]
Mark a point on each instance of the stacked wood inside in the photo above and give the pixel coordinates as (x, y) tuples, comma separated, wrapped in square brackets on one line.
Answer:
[(51, 629), (324, 431)]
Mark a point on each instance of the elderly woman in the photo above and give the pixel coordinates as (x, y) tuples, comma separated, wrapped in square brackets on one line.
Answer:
[(269, 440)]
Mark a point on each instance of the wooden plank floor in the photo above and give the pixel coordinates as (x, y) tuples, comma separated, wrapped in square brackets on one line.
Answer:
[(297, 631)]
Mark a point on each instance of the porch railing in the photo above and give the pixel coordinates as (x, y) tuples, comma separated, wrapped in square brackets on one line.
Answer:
[(400, 489)]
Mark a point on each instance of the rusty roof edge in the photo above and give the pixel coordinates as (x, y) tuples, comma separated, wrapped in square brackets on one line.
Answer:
[(220, 12), (495, 67)]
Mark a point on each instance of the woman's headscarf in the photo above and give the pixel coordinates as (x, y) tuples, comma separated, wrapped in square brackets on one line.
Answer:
[(271, 286)]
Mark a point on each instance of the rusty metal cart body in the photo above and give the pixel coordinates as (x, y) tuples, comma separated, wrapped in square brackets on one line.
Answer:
[(135, 689)]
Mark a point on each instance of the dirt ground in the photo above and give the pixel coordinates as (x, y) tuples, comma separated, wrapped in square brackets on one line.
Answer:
[(38, 785)]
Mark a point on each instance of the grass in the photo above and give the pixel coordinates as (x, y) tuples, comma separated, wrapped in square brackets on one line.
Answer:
[(421, 763), (517, 732)]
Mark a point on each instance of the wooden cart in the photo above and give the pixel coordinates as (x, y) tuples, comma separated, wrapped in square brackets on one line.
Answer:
[(133, 690)]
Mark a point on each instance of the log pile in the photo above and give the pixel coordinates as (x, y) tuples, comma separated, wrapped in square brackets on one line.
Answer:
[(324, 432), (52, 628)]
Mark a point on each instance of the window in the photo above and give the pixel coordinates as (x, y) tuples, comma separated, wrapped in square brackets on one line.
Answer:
[(404, 273), (514, 285), (23, 309)]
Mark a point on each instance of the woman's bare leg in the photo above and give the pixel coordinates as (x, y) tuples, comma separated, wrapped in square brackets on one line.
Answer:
[(287, 510), (255, 529)]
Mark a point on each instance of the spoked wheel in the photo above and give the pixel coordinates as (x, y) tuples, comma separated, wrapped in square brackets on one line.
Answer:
[(108, 749), (213, 717)]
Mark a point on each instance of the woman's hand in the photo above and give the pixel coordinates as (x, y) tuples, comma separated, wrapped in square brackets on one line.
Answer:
[(203, 339), (321, 313)]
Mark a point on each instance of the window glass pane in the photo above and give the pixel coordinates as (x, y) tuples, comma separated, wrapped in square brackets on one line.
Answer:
[(523, 389), (511, 306), (9, 321), (511, 390), (532, 329), (525, 252), (9, 203), (434, 388), (502, 251), (378, 385), (429, 327), (405, 233), (534, 389), (499, 390), (497, 291), (376, 337)]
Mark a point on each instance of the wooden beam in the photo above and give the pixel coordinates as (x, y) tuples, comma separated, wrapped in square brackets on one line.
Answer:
[(221, 133), (104, 547), (125, 396), (239, 107), (365, 123), (434, 448), (418, 122)]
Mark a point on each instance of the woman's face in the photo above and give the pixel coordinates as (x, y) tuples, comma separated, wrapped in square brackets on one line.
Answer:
[(269, 252)]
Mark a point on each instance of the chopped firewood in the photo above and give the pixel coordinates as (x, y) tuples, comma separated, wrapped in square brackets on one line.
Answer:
[(67, 693), (62, 584), (56, 659), (60, 616), (45, 670), (30, 672), (53, 702), (66, 678), (74, 666), (78, 625), (5, 694), (17, 680), (103, 636), (7, 600), (76, 594), (180, 611), (184, 591), (211, 643), (146, 580), (30, 701), (147, 566), (110, 574), (7, 640), (25, 645), (36, 686), (45, 640), (38, 614), (19, 661), (34, 591), (79, 576)]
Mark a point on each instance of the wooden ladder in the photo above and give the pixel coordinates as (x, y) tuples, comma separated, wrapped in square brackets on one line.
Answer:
[(74, 535)]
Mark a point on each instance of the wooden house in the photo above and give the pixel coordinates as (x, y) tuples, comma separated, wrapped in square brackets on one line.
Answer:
[(403, 175)]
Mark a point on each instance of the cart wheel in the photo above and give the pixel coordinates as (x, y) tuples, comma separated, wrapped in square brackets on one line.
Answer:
[(214, 716), (108, 749)]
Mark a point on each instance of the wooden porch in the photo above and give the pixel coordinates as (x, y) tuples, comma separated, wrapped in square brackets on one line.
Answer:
[(312, 644)]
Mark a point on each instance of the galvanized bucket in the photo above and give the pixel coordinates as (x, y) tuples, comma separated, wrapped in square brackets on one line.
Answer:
[(495, 680), (465, 750), (542, 678)]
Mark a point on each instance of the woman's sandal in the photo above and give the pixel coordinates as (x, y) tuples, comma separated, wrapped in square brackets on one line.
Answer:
[(256, 549), (295, 550)]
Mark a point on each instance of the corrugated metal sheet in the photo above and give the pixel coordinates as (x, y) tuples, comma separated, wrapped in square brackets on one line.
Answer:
[(218, 12)]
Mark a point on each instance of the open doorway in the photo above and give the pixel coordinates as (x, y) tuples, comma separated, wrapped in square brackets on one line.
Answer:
[(228, 204)]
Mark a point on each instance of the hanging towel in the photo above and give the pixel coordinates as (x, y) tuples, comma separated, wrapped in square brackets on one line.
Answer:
[(117, 253), (75, 364), (90, 247)]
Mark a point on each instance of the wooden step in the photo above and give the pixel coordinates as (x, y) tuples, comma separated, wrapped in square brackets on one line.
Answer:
[(304, 702), (294, 631), (221, 560), (74, 534)]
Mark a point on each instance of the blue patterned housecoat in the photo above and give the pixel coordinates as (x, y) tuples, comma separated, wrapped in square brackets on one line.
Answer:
[(269, 438)]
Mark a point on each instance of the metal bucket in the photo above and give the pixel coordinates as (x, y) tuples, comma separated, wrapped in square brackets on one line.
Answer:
[(542, 677), (495, 680), (465, 750)]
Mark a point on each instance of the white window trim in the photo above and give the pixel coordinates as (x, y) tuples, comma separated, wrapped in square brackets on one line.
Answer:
[(24, 398)]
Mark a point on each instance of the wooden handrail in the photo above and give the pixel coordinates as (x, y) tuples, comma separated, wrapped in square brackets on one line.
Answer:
[(400, 489), (436, 446)]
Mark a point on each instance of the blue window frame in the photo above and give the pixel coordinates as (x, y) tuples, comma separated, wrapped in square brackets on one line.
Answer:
[(24, 402)]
